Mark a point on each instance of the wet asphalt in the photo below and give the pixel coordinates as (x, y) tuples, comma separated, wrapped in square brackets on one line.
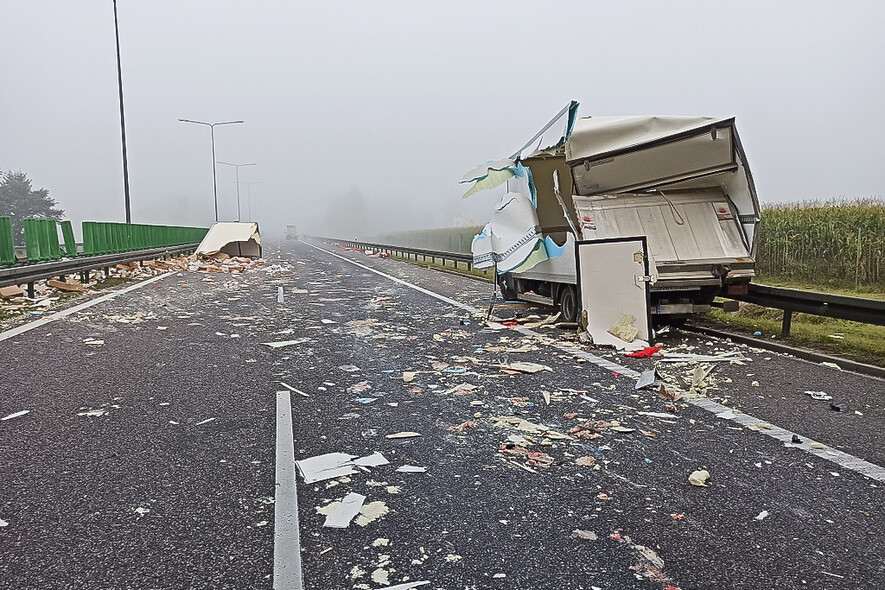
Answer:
[(152, 495)]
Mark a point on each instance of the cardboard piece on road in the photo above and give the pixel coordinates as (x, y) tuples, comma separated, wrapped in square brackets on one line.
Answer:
[(376, 459), (326, 466), (66, 285), (524, 367), (286, 342), (670, 357), (332, 465), (406, 586), (10, 292), (232, 238), (645, 379), (350, 506)]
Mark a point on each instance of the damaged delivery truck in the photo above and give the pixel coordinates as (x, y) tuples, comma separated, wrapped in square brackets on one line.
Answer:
[(679, 185)]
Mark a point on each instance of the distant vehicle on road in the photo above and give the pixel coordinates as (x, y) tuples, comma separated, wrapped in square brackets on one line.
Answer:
[(291, 232)]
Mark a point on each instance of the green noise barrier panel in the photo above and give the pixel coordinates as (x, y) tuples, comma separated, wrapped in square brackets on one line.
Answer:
[(41, 240), (67, 231), (7, 246), (101, 237)]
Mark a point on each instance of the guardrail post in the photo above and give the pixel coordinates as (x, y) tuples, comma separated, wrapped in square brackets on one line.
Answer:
[(788, 321)]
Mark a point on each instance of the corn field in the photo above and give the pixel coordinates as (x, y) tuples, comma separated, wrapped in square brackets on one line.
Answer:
[(837, 243)]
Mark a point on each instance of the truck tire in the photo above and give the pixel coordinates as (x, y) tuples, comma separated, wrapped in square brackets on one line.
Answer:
[(507, 286), (568, 303)]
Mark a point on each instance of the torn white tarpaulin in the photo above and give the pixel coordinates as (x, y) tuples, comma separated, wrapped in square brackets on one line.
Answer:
[(232, 238), (341, 515), (332, 465), (510, 237)]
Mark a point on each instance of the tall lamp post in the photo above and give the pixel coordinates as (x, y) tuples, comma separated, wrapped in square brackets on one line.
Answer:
[(249, 196), (237, 166), (214, 177), (122, 119)]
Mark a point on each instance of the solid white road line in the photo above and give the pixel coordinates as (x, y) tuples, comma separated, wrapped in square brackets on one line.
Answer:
[(400, 281), (836, 456), (72, 310), (286, 543)]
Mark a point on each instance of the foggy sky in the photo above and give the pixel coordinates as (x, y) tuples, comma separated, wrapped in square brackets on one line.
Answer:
[(394, 101)]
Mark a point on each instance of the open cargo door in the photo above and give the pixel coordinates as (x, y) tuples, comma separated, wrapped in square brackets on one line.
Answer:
[(613, 278)]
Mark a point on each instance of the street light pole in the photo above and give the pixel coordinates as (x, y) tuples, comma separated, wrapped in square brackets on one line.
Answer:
[(214, 177), (249, 196), (122, 120), (237, 166)]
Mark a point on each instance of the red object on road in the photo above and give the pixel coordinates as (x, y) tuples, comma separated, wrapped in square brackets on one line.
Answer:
[(644, 353)]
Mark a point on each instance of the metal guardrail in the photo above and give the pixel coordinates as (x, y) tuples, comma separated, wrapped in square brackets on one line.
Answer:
[(405, 251), (857, 309), (21, 274)]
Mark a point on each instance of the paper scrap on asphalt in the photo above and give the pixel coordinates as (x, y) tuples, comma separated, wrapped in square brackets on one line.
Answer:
[(411, 469), (657, 414), (524, 367), (15, 415), (283, 343), (371, 512), (206, 421), (406, 434), (645, 379), (699, 478), (290, 388), (347, 509), (819, 395), (673, 357)]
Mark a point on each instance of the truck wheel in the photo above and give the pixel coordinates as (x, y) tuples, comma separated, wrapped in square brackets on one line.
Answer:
[(568, 303), (508, 289)]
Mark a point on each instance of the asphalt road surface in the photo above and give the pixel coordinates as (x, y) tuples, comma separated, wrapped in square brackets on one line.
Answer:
[(149, 460)]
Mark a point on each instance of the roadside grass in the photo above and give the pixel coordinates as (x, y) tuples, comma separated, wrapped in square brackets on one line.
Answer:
[(862, 291), (862, 342), (448, 265)]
